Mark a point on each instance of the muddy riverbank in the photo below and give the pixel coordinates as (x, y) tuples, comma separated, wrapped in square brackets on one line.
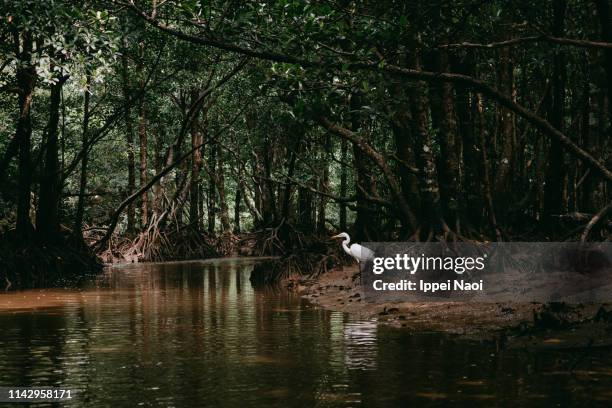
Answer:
[(556, 325)]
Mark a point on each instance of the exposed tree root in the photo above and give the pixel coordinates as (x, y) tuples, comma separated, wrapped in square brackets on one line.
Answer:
[(226, 244), (273, 241), (308, 264), (301, 255), (155, 245)]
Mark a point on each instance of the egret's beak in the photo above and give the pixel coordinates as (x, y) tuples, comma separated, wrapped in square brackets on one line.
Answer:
[(336, 236)]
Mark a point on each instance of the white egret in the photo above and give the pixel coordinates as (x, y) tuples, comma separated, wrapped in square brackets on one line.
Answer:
[(360, 253)]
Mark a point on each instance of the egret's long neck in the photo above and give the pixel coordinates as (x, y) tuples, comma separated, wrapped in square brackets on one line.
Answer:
[(345, 245)]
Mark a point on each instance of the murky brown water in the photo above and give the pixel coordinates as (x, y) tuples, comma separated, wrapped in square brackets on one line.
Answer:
[(198, 334)]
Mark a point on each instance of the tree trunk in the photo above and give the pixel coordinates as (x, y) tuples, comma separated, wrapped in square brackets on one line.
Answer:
[(343, 181), (288, 190), (26, 79), (485, 170), (250, 203), (605, 22), (181, 188), (196, 165), (504, 163), (269, 196), (142, 136), (404, 141), (450, 147), (78, 221), (366, 224), (593, 132), (555, 175), (305, 210), (324, 186), (431, 212), (129, 134), (237, 202), (467, 111), (158, 138), (444, 123), (220, 181), (47, 216), (244, 190), (605, 18), (212, 192)]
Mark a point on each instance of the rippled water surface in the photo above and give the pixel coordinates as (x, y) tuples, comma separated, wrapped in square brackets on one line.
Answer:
[(198, 334)]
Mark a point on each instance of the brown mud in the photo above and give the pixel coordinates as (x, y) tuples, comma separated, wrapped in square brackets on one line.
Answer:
[(556, 325)]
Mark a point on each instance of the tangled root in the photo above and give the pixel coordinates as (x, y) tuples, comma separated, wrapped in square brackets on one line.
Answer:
[(309, 256), (310, 265), (226, 244), (155, 245)]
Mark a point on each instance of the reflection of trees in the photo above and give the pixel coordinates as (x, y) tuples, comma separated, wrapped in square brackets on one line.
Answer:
[(30, 346), (194, 331), (177, 333), (48, 347), (361, 340)]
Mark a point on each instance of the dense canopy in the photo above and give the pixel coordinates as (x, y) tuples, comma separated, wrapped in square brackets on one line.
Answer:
[(170, 129)]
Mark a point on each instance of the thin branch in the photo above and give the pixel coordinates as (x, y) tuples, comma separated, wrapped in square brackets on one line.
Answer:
[(530, 40)]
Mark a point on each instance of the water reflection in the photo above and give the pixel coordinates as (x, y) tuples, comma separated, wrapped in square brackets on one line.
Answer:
[(198, 334), (361, 341)]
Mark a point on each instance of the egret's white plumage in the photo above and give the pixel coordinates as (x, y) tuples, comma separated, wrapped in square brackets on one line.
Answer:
[(360, 253)]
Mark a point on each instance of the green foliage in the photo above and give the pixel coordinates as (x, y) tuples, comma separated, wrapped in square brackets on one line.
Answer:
[(266, 117)]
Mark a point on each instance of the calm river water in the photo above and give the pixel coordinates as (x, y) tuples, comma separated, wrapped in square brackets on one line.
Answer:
[(198, 334)]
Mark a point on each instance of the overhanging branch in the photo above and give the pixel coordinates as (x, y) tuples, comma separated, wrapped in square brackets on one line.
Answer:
[(504, 100)]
